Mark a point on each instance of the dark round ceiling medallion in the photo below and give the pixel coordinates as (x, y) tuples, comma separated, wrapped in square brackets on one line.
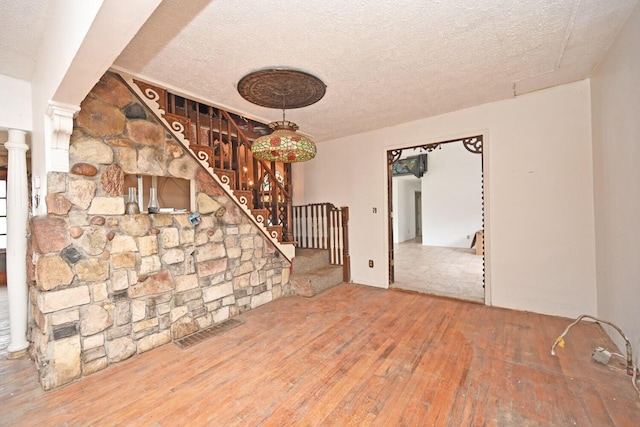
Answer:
[(281, 88)]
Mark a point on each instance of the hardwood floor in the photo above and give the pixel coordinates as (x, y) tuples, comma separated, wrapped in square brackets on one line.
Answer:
[(350, 356), (5, 332)]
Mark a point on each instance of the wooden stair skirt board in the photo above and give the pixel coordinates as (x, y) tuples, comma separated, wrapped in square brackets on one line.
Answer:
[(312, 272)]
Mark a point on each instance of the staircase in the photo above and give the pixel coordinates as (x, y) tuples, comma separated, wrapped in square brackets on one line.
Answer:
[(322, 257), (312, 272), (222, 141)]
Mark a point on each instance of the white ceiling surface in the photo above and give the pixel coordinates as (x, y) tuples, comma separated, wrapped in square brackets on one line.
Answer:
[(383, 62), (21, 32)]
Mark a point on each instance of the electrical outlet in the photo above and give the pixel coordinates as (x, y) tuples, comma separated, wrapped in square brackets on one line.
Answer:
[(468, 236), (375, 210), (371, 263)]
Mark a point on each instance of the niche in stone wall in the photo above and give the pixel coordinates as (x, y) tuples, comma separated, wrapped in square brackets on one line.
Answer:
[(174, 194)]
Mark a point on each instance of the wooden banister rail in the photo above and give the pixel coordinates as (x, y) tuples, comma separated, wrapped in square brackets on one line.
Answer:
[(324, 226), (216, 136)]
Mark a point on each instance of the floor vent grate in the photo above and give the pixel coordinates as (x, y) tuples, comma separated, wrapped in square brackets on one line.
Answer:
[(212, 331)]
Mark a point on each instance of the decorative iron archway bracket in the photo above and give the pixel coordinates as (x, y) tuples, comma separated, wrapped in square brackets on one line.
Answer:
[(473, 144)]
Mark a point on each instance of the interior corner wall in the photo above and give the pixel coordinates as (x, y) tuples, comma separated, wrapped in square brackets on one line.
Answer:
[(616, 157), (539, 237)]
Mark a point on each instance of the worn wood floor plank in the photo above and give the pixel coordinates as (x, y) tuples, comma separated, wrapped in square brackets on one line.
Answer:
[(351, 356)]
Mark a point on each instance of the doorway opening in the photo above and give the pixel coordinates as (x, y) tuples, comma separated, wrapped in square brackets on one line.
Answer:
[(436, 218)]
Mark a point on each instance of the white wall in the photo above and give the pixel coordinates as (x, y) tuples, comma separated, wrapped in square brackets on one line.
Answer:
[(82, 39), (15, 103), (539, 238), (404, 205), (615, 88), (451, 197)]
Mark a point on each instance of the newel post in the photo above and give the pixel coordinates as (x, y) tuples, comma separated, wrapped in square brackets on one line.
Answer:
[(346, 265)]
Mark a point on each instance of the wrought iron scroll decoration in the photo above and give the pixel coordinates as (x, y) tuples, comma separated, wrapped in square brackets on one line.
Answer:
[(472, 144), (393, 155)]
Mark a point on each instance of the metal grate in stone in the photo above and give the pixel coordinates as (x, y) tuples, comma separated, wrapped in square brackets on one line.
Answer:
[(204, 334)]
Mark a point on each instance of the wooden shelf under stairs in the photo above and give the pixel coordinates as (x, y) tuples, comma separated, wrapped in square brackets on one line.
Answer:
[(312, 272)]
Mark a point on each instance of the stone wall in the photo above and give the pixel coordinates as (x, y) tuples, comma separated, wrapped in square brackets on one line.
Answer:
[(105, 286)]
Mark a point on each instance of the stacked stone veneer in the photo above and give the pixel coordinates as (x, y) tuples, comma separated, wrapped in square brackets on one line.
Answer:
[(106, 286)]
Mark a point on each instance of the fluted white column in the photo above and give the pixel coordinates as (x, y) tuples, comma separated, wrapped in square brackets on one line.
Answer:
[(17, 217)]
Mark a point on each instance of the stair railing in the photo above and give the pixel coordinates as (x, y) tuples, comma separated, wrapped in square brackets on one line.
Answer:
[(227, 148), (324, 226), (273, 196)]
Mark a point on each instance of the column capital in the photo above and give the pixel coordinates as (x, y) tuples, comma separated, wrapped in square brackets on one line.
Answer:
[(17, 140)]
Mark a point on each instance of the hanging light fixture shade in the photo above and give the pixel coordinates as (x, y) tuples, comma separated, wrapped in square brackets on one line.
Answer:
[(284, 144), (283, 89)]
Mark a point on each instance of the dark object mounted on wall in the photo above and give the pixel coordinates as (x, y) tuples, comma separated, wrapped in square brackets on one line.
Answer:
[(414, 165)]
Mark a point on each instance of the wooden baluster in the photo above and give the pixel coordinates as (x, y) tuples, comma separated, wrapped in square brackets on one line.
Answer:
[(288, 231), (310, 230), (234, 161), (299, 225), (306, 227), (321, 226), (225, 157), (293, 222), (325, 226), (317, 230), (339, 242), (217, 141), (241, 177), (313, 225), (256, 184), (211, 138), (332, 226), (336, 236), (346, 257), (274, 195), (246, 162), (196, 105)]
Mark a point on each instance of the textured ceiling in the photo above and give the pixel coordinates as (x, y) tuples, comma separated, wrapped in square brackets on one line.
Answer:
[(383, 62), (21, 33)]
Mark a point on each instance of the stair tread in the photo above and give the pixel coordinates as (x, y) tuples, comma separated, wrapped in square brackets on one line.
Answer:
[(313, 282), (306, 252), (320, 272), (310, 259)]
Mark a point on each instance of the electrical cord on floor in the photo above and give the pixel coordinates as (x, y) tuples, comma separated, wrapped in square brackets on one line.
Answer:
[(631, 368), (634, 377)]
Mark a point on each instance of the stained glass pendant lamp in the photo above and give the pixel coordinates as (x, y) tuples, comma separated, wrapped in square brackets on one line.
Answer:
[(284, 89)]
